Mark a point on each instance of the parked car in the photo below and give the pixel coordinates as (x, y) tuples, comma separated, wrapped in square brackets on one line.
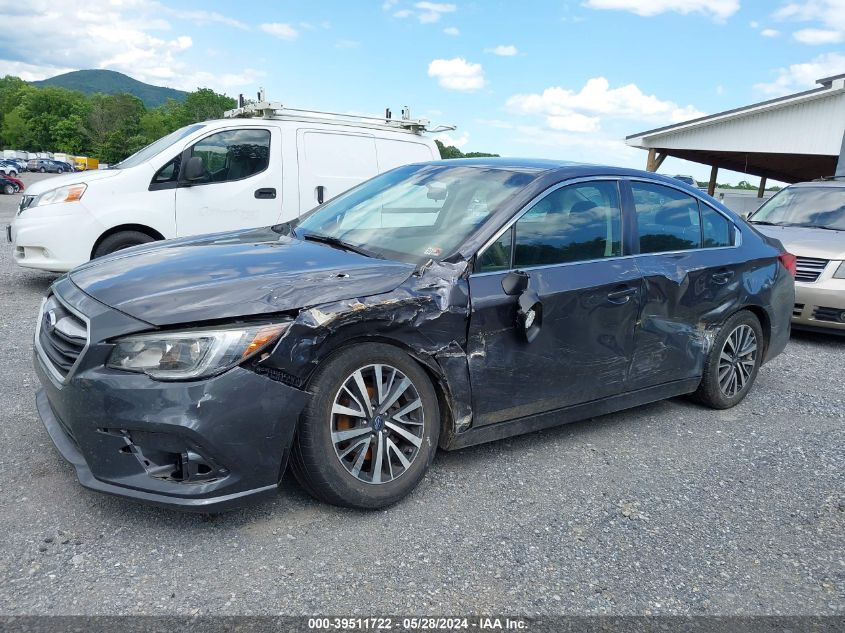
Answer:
[(809, 218), (18, 184), (9, 184), (47, 165), (8, 168), (687, 179), (213, 176), (439, 304)]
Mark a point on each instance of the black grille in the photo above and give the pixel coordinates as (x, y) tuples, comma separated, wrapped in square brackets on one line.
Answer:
[(809, 268), (834, 315), (61, 335)]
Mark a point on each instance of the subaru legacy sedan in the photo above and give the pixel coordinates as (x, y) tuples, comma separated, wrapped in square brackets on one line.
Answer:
[(437, 305)]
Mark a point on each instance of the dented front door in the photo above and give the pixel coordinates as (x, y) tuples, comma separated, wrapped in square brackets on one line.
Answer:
[(582, 350)]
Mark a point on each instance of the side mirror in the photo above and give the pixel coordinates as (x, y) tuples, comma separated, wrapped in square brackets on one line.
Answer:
[(515, 282), (194, 169)]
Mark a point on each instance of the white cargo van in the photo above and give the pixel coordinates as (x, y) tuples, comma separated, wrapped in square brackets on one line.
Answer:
[(261, 165)]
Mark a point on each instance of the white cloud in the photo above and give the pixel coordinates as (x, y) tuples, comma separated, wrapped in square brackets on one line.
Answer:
[(129, 36), (818, 36), (502, 50), (719, 9), (803, 76), (426, 12), (281, 30), (455, 141), (581, 111), (206, 17), (347, 44), (754, 24), (457, 74), (829, 14), (433, 11), (769, 33), (451, 30)]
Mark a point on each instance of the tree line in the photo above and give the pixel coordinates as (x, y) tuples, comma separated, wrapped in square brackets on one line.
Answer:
[(107, 127)]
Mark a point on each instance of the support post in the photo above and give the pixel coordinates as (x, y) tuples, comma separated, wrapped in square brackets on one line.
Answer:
[(761, 190), (711, 186), (651, 160), (840, 164)]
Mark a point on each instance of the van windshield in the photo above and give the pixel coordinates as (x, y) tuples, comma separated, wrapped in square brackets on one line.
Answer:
[(816, 207), (414, 213), (156, 147)]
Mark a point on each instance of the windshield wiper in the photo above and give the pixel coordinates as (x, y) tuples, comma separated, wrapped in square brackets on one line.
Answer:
[(816, 226), (766, 223), (337, 243)]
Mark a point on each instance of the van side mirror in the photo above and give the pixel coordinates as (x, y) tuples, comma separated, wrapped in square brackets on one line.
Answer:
[(194, 169)]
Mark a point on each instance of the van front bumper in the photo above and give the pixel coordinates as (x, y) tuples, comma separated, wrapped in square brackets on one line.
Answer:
[(55, 238)]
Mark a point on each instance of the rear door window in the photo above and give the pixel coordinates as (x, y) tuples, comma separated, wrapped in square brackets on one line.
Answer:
[(667, 218)]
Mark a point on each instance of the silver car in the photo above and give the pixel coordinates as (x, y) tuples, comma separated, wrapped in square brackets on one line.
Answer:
[(809, 220)]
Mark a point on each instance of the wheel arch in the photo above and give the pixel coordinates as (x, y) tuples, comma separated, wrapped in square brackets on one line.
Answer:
[(141, 228), (425, 359), (765, 323)]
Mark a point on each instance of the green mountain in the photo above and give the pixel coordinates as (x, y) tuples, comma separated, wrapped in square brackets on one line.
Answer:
[(111, 82)]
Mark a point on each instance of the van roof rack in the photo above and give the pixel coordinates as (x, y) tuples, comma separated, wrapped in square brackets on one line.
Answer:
[(276, 110)]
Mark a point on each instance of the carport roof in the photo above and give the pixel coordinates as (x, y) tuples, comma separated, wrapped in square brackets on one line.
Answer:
[(792, 138)]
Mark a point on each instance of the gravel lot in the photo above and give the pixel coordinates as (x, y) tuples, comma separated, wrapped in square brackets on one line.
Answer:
[(667, 508)]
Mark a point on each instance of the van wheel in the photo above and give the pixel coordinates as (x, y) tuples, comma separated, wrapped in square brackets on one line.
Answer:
[(119, 241), (370, 431), (732, 363)]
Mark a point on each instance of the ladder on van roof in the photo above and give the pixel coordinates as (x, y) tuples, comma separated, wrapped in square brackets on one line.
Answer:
[(276, 110)]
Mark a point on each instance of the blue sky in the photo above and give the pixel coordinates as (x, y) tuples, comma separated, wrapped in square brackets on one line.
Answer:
[(565, 79)]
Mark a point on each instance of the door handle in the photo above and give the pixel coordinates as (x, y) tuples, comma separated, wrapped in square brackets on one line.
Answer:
[(622, 295), (321, 192), (267, 194), (722, 277)]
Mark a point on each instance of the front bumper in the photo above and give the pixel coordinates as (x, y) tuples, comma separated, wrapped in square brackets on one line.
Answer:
[(821, 304), (55, 238), (205, 445)]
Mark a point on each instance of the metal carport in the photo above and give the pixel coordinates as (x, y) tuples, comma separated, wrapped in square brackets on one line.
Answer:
[(794, 138)]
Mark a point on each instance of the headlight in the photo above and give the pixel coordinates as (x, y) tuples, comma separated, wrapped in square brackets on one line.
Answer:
[(69, 193), (194, 353), (840, 272)]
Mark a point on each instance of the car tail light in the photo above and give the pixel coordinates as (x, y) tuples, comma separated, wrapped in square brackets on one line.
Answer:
[(789, 262)]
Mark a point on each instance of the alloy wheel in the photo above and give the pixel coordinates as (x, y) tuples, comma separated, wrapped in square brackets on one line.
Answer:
[(737, 360), (377, 423)]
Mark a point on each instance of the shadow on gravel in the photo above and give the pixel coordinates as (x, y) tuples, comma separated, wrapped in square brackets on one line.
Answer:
[(36, 282), (819, 338)]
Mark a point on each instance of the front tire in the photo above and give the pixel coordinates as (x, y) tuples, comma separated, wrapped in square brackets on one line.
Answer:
[(59, 170), (119, 241), (43, 170), (370, 431), (733, 362), (8, 189)]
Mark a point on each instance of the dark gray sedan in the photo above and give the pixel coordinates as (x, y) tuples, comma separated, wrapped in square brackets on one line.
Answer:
[(437, 305)]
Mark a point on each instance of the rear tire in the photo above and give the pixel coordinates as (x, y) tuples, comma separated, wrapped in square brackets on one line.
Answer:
[(119, 241), (733, 362), (386, 454)]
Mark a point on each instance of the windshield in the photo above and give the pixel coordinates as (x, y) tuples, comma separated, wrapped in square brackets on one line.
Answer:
[(143, 155), (415, 213), (822, 207)]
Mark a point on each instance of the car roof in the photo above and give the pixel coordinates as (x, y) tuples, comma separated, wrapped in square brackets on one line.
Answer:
[(836, 184), (561, 168)]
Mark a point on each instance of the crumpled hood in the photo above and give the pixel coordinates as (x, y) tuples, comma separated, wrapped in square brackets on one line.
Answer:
[(70, 179), (807, 242), (229, 275)]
